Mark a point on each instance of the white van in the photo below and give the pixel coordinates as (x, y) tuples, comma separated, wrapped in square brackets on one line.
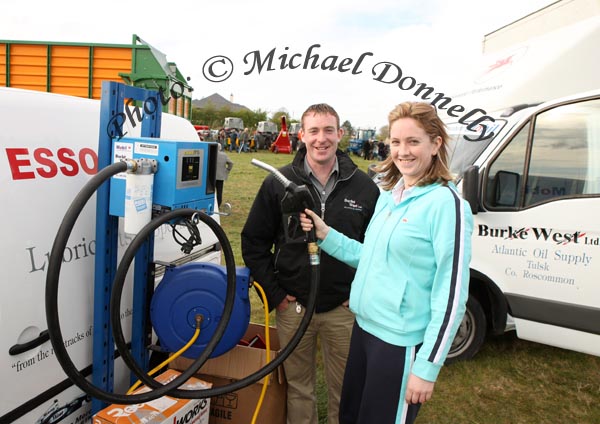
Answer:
[(535, 191), (534, 186), (231, 123), (48, 146), (266, 133)]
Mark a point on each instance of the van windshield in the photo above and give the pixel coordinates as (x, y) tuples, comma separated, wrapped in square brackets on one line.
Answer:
[(462, 153)]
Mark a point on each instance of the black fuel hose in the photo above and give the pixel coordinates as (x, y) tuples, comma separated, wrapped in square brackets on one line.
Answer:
[(51, 300), (55, 333), (216, 391), (119, 283)]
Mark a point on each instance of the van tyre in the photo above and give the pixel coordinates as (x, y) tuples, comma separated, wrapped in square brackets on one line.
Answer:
[(471, 333)]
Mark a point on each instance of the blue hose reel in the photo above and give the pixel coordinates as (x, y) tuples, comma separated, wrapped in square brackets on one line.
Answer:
[(198, 288)]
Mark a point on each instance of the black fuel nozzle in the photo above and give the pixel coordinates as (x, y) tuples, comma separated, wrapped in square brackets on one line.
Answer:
[(296, 199)]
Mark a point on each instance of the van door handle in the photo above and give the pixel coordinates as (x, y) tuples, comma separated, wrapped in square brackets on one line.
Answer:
[(24, 347)]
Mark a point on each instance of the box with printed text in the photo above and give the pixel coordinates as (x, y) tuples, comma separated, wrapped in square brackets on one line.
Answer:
[(164, 410), (244, 359)]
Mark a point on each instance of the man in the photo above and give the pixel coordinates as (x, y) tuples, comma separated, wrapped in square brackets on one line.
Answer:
[(224, 166), (347, 197), (233, 136), (367, 144), (244, 138)]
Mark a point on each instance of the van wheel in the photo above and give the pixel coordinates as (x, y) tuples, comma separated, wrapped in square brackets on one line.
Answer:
[(471, 333)]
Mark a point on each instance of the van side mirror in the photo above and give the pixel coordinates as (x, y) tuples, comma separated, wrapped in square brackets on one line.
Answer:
[(470, 188)]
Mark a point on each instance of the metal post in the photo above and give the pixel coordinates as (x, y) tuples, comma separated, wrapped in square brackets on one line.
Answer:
[(107, 233)]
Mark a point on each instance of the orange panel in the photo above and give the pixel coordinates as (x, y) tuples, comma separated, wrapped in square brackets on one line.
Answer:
[(186, 108), (69, 70), (71, 91), (70, 86), (33, 52), (108, 62), (71, 51), (19, 70), (121, 65), (108, 73), (122, 53), (66, 70), (2, 65), (19, 79), (28, 66), (180, 107), (97, 91)]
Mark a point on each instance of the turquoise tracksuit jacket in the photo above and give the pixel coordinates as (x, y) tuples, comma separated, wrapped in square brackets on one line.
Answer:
[(412, 278)]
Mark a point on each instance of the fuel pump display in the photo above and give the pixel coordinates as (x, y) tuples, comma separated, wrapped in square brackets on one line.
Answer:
[(186, 178)]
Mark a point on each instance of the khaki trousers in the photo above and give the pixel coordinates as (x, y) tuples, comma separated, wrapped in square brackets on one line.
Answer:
[(334, 329)]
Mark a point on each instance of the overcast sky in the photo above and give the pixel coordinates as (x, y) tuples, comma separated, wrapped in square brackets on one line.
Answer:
[(436, 42)]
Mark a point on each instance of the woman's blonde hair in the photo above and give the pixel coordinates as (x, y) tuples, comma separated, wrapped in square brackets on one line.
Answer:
[(427, 118)]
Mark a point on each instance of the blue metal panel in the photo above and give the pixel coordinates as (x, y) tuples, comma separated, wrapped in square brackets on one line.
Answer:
[(171, 190), (198, 288), (140, 333), (111, 114)]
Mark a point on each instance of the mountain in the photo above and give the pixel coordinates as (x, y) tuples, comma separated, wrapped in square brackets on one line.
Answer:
[(218, 102)]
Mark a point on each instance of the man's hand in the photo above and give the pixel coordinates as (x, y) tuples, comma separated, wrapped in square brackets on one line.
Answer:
[(285, 302), (418, 390)]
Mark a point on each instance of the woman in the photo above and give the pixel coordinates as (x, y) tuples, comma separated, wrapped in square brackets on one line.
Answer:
[(411, 284)]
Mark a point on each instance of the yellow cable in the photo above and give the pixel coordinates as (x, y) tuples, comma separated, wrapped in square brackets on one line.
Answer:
[(268, 347), (175, 355), (197, 333)]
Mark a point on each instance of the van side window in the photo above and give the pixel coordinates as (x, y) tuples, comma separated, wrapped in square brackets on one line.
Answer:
[(565, 153), (503, 188)]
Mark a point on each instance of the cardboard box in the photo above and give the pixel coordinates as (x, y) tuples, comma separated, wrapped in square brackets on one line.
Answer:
[(164, 410), (238, 407)]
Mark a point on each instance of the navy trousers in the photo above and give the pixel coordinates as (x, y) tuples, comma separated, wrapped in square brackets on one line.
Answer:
[(375, 382)]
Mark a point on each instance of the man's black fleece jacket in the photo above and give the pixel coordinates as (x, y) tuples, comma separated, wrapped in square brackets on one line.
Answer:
[(282, 267)]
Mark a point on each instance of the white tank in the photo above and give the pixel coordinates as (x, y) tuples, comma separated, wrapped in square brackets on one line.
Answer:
[(48, 145)]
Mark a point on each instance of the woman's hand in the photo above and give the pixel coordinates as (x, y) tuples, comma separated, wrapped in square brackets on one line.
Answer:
[(418, 390), (306, 222)]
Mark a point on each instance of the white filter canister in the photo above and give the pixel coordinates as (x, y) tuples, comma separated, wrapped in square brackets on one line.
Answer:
[(138, 201)]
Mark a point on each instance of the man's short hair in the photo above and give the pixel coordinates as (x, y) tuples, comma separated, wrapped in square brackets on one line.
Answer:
[(321, 109)]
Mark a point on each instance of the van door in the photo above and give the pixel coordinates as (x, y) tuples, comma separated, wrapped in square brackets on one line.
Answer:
[(539, 236)]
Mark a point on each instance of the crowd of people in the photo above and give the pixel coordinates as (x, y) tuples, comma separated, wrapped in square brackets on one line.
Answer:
[(234, 140), (375, 150), (245, 140)]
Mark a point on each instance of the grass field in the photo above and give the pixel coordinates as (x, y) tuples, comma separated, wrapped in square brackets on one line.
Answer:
[(510, 381)]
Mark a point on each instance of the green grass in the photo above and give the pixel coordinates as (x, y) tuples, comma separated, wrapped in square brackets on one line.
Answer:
[(510, 381)]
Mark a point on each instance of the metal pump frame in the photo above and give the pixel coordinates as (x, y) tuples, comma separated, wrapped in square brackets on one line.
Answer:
[(107, 236)]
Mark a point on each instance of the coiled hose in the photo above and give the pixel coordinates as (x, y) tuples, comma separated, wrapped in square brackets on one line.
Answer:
[(159, 390)]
